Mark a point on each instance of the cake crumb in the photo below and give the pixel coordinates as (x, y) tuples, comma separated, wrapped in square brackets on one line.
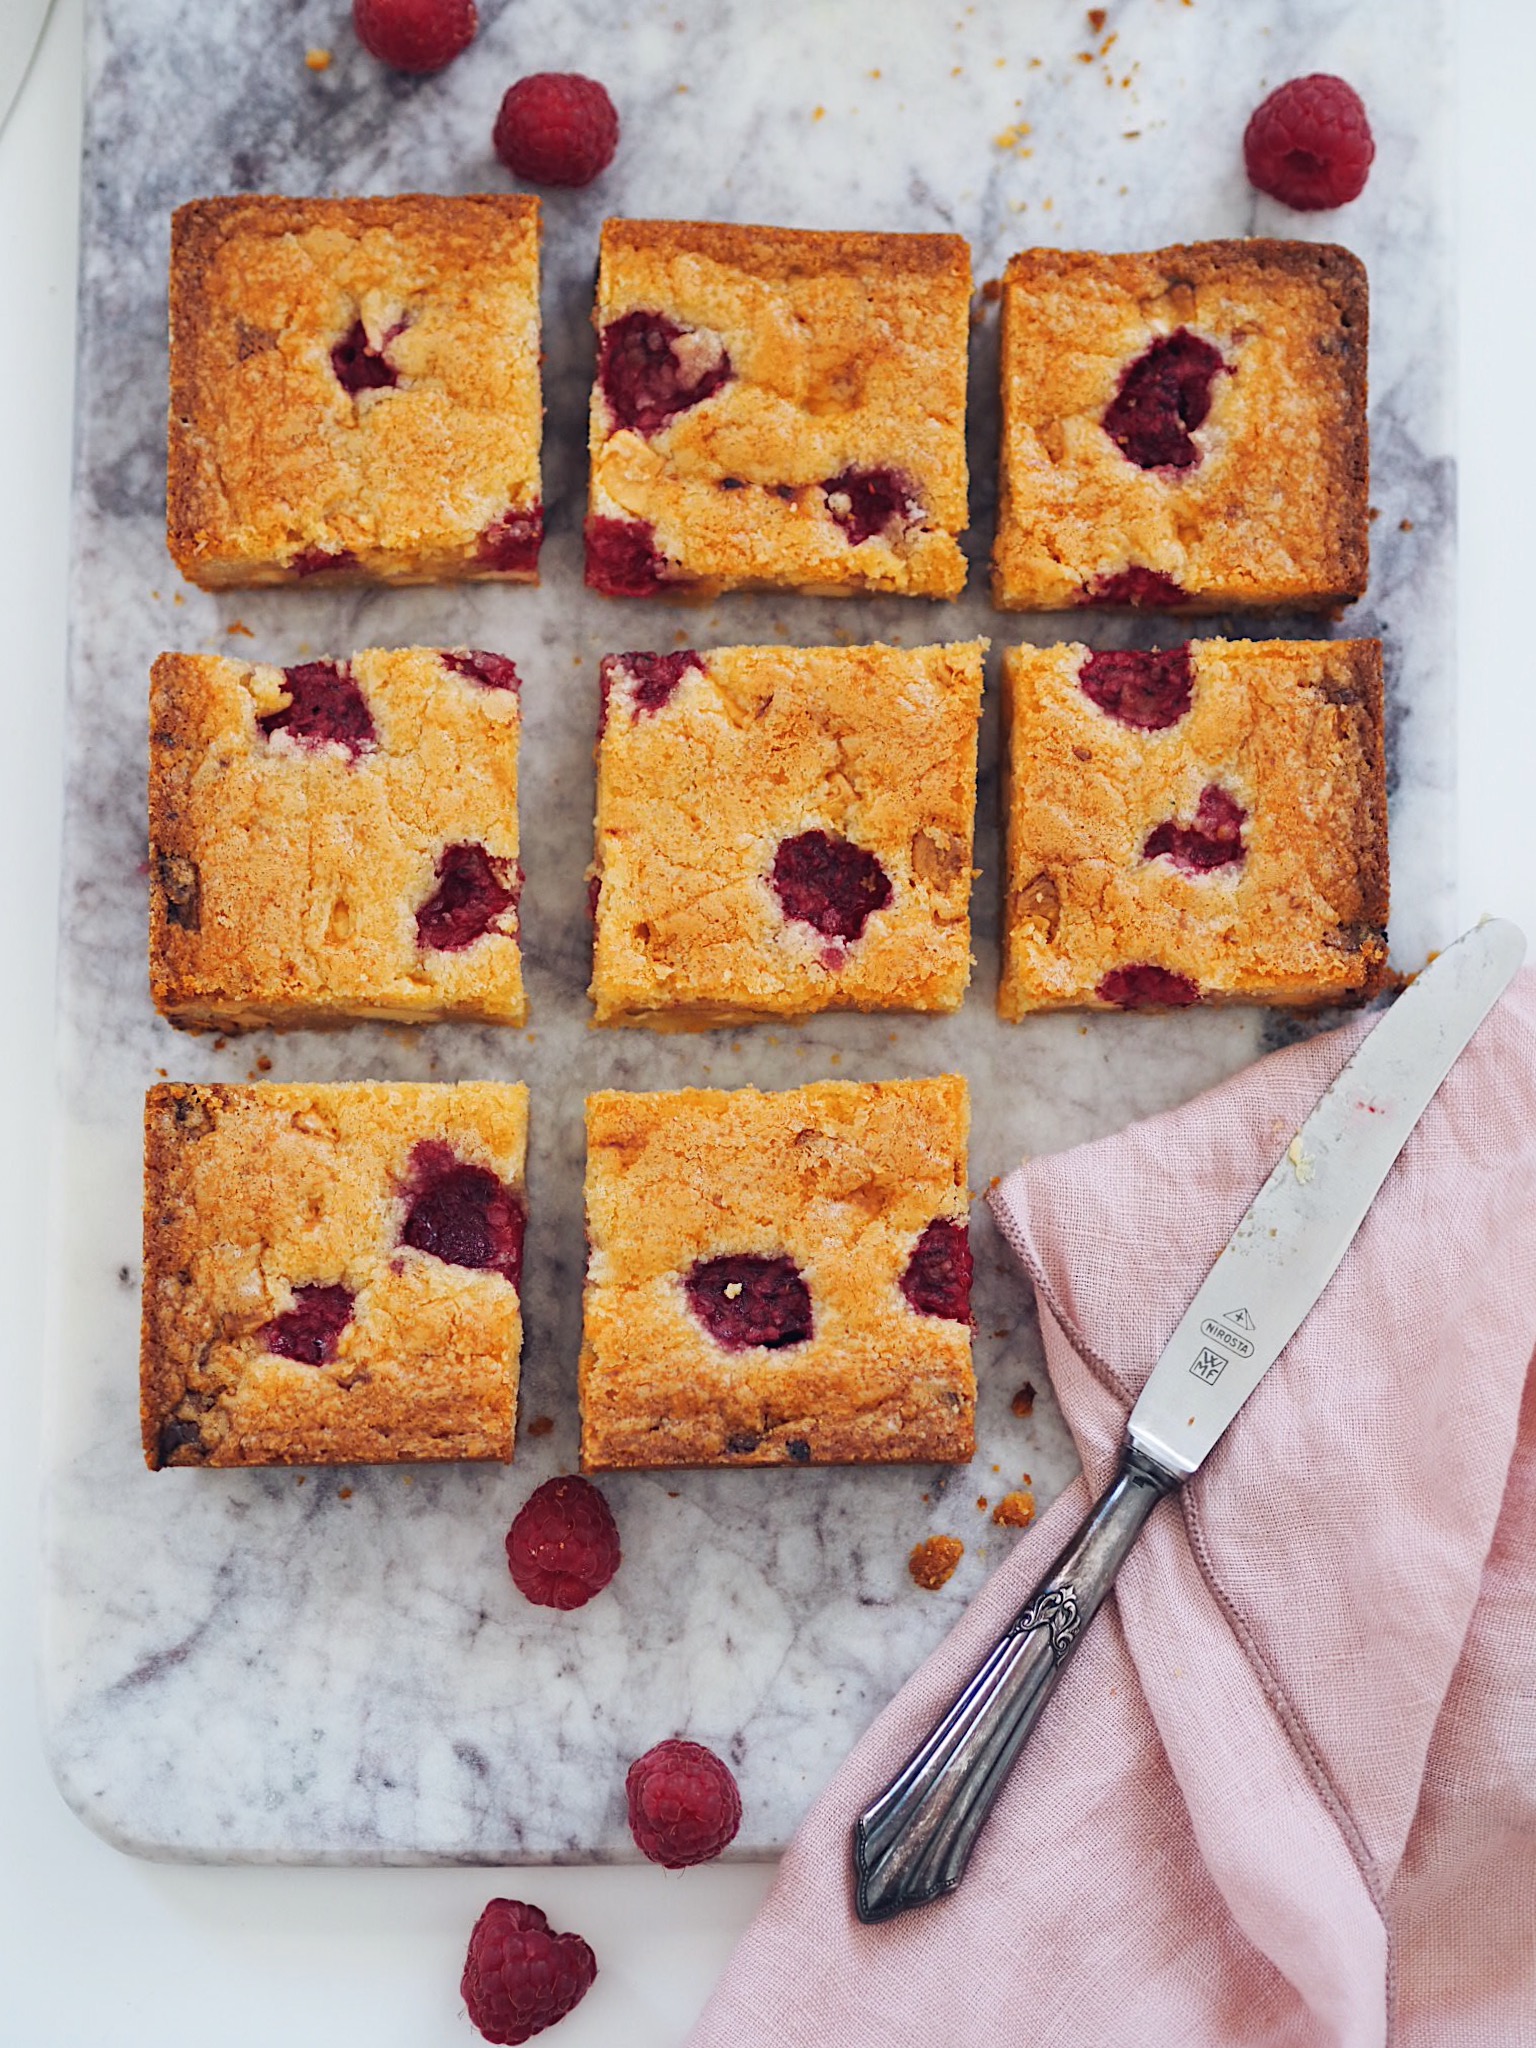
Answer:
[(263, 1065), (932, 1563), (238, 626), (1023, 1402), (818, 113), (1015, 1510), (1405, 526), (1097, 16), (318, 60), (541, 1425), (982, 1501), (299, 1478), (344, 1493)]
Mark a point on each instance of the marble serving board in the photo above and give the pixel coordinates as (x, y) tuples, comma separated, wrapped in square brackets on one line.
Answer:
[(333, 1665)]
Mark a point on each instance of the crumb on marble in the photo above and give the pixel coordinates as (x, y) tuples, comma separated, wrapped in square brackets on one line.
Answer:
[(1097, 16), (932, 1563), (982, 1502), (1405, 526), (541, 1425), (238, 626), (1015, 1510), (344, 1493), (1023, 1402), (318, 60)]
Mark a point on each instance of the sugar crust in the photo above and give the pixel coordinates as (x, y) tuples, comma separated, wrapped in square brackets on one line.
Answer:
[(250, 1192), (875, 744), (1276, 512), (848, 350), (843, 1178), (1292, 729), (299, 871)]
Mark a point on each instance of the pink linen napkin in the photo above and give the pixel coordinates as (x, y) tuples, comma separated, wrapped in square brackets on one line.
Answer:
[(1286, 1791)]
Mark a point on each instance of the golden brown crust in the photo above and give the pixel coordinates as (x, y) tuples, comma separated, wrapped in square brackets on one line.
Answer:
[(272, 460), (872, 744), (250, 1193), (1274, 514), (843, 1178), (847, 351), (285, 880), (1292, 731)]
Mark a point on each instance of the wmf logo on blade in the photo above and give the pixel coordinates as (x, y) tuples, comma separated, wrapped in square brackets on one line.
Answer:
[(1210, 1364)]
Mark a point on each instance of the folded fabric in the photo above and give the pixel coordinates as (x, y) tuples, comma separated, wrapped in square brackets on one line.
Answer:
[(1286, 1791)]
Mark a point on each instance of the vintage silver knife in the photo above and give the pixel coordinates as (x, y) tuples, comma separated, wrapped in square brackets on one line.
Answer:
[(913, 1843)]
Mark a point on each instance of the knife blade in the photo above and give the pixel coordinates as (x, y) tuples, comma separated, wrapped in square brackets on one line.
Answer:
[(912, 1843)]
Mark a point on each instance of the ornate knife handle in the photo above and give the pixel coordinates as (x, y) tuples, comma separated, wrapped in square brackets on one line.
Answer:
[(913, 1843)]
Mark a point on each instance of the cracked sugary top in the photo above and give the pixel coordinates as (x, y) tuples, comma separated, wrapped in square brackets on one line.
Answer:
[(1271, 510), (846, 353), (1269, 782), (288, 874), (840, 1179), (351, 377), (253, 1195), (872, 747)]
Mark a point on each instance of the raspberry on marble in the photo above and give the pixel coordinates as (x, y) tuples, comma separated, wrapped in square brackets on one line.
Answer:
[(415, 35), (563, 1545), (684, 1804), (556, 128), (1309, 144)]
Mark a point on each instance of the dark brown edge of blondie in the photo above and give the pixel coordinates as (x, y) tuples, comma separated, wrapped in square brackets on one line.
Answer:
[(790, 252), (198, 229)]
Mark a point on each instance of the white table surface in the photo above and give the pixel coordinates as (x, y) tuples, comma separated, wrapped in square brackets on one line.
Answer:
[(97, 1948)]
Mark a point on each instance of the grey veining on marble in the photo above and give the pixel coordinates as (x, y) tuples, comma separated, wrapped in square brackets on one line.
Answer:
[(251, 1665)]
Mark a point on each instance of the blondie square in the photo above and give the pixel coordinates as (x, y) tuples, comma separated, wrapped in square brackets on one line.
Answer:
[(355, 390), (1207, 824), (331, 1273), (334, 840), (777, 410), (782, 830), (778, 1278), (1184, 430)]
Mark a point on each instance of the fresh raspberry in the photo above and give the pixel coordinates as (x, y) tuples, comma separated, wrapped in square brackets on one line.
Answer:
[(519, 1977), (563, 1545), (1309, 144), (556, 128), (415, 35), (683, 1804)]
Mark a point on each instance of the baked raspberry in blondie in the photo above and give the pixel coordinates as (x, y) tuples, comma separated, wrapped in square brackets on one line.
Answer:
[(777, 409), (355, 390), (1206, 824), (332, 1273), (782, 830), (333, 840), (1183, 430), (778, 1278)]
